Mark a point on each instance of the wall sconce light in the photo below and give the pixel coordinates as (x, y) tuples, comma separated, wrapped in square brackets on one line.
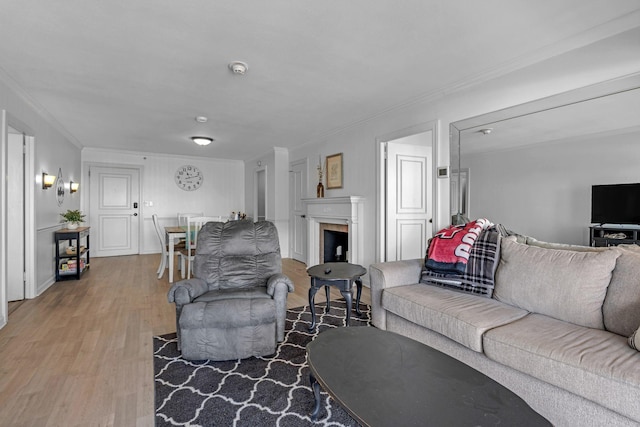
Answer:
[(47, 180), (73, 186), (202, 140)]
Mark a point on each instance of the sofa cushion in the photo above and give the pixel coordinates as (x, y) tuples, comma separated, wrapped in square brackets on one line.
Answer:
[(591, 363), (567, 285), (459, 316), (621, 308)]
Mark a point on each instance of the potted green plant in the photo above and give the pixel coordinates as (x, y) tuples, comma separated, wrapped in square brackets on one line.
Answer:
[(73, 218)]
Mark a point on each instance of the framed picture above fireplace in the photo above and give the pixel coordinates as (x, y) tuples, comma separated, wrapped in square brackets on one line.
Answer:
[(334, 171)]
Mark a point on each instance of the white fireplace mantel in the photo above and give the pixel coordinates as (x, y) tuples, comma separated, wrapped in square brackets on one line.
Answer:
[(335, 210)]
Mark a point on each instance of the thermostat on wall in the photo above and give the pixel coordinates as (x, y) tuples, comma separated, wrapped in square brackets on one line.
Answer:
[(443, 172)]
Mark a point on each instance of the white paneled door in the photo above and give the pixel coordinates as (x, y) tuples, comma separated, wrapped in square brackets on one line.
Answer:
[(114, 210), (298, 223), (15, 217), (409, 197)]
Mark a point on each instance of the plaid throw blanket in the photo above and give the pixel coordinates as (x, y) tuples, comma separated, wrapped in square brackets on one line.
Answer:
[(450, 248), (478, 277)]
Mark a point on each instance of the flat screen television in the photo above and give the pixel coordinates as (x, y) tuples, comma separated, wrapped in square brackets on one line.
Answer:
[(615, 204)]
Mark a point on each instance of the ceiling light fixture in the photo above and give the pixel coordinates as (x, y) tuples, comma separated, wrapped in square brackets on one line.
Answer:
[(202, 140), (201, 119), (238, 67)]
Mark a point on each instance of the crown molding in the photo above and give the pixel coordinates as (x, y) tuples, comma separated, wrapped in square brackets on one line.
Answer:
[(143, 155), (585, 38), (31, 102)]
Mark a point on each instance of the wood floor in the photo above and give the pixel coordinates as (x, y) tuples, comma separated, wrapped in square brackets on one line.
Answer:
[(81, 353)]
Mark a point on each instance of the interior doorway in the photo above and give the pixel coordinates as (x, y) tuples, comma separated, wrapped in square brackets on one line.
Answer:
[(260, 213), (17, 256), (16, 233), (406, 192), (297, 222)]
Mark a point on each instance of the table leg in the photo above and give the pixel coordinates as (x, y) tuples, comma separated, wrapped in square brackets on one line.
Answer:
[(348, 297), (358, 295), (315, 386), (327, 293), (170, 258), (312, 294)]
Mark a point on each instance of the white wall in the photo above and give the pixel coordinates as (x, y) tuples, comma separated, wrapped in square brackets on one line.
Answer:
[(544, 190), (222, 190), (51, 156), (359, 147), (53, 149)]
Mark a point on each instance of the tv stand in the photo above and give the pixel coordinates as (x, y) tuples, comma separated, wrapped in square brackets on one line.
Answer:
[(613, 235)]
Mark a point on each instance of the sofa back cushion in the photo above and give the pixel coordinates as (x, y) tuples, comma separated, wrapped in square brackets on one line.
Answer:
[(566, 285), (621, 308)]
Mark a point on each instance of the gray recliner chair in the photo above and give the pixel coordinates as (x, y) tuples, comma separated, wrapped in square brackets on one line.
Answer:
[(235, 305)]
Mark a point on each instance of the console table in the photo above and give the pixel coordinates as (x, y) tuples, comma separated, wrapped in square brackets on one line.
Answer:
[(71, 265)]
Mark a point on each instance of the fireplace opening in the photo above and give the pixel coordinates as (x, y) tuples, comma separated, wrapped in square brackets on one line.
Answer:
[(336, 245)]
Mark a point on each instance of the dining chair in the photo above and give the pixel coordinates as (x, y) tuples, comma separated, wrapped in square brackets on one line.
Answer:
[(182, 222), (194, 224), (183, 216), (164, 248)]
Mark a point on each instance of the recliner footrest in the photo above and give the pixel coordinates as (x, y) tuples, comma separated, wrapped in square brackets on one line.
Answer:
[(228, 329)]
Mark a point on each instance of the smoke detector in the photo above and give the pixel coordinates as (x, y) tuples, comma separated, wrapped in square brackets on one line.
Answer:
[(238, 67)]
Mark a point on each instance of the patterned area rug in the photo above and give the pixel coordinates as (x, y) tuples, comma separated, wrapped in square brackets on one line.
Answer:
[(264, 391)]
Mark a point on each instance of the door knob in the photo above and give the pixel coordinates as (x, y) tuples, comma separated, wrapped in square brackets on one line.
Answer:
[(135, 214)]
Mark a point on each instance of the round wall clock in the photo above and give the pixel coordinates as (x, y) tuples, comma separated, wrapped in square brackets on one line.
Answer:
[(189, 178)]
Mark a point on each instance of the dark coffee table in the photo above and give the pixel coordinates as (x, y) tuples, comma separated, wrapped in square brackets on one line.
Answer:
[(384, 379), (341, 275)]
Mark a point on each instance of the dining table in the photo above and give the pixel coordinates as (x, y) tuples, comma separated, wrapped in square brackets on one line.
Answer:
[(174, 234)]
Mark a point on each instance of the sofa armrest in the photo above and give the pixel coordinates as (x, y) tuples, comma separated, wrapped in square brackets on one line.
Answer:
[(388, 275), (185, 291)]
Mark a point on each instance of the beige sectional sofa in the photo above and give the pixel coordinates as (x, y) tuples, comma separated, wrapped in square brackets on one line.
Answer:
[(555, 331)]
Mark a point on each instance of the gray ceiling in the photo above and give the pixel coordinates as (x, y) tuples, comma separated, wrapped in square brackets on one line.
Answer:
[(133, 75)]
